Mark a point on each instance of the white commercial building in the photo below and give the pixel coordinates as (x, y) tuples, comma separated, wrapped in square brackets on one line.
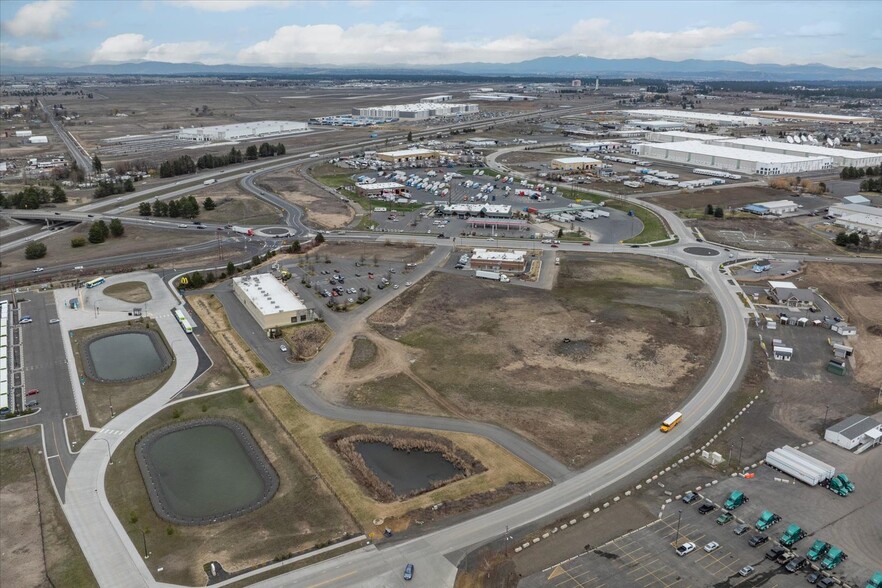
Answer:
[(779, 207), (38, 140), (439, 98), (417, 111), (242, 131), (480, 142), (857, 217), (853, 431), (487, 259), (658, 125), (676, 136), (477, 209), (696, 117), (696, 153), (840, 157), (23, 134), (270, 302), (595, 146), (856, 199), (811, 116), (575, 163)]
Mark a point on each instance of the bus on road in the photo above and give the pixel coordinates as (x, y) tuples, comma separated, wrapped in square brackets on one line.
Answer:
[(95, 282), (671, 422), (185, 324)]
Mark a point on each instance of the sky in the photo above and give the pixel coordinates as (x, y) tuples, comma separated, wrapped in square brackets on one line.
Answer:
[(374, 32)]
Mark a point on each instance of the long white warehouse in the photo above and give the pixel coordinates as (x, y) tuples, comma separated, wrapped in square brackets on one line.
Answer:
[(695, 117), (840, 157), (677, 136), (696, 153), (243, 131), (811, 116), (419, 111)]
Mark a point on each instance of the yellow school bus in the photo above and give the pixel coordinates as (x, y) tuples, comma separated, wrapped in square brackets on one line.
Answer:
[(671, 422)]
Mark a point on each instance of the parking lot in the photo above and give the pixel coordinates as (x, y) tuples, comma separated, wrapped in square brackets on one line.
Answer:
[(646, 557), (468, 188)]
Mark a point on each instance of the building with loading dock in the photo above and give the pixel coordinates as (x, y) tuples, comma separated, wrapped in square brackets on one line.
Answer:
[(270, 302), (575, 163)]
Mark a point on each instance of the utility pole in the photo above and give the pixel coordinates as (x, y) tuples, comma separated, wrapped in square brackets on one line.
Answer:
[(679, 517), (740, 450)]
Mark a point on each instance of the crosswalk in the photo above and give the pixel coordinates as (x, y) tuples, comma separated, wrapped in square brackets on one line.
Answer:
[(115, 432)]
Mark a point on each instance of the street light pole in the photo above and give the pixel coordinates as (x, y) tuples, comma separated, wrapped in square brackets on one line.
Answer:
[(826, 411), (679, 516), (740, 450), (109, 455)]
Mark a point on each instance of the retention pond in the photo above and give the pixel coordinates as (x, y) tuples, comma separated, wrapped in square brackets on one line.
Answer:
[(125, 356), (406, 471)]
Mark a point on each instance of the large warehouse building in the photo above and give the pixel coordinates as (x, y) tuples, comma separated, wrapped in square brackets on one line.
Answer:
[(418, 111), (270, 302), (407, 156), (840, 157), (243, 131), (811, 116), (696, 117), (575, 163), (678, 136), (857, 217), (696, 153)]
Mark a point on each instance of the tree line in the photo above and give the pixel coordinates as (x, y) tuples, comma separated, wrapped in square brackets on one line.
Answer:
[(853, 173), (33, 197), (112, 187), (185, 164), (183, 207), (858, 241)]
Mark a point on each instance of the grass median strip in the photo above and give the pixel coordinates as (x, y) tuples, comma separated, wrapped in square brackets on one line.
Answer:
[(212, 314)]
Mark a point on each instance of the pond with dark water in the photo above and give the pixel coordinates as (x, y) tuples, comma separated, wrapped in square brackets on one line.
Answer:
[(406, 471), (124, 356), (204, 471)]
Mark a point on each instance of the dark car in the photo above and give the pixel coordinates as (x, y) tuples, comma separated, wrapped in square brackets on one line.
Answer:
[(813, 577), (794, 565), (33, 392), (758, 540), (706, 508), (690, 497), (741, 529), (826, 582), (408, 572), (775, 552)]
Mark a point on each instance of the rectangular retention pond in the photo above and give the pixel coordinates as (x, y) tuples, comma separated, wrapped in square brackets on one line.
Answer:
[(406, 471)]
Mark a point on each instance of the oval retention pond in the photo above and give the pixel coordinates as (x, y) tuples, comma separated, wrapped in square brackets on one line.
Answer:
[(124, 356), (406, 471), (205, 471)]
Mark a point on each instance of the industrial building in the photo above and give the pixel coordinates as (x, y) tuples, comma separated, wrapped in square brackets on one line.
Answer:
[(477, 209), (853, 431), (840, 157), (480, 142), (501, 97), (243, 131), (657, 125), (417, 111), (438, 98), (407, 156), (694, 117), (856, 199), (595, 146), (775, 207), (676, 136), (574, 163), (23, 134), (381, 189), (731, 158), (485, 259), (811, 116), (38, 140), (857, 217), (270, 302)]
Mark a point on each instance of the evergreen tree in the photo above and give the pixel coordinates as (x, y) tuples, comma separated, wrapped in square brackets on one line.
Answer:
[(718, 212), (105, 230), (280, 149), (174, 209), (709, 210), (319, 239), (295, 247), (208, 204), (35, 250), (58, 195), (231, 268), (251, 152), (144, 209), (96, 235), (96, 164), (116, 228)]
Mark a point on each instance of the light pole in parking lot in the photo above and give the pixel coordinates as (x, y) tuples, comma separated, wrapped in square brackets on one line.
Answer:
[(679, 516), (740, 450)]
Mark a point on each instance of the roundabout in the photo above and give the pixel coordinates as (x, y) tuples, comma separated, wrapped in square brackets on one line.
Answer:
[(701, 251)]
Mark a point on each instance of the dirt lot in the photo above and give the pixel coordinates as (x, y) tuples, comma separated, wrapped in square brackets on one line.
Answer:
[(302, 513), (305, 341), (373, 252), (505, 474), (614, 347), (133, 292), (322, 208), (764, 235), (136, 239), (211, 313), (729, 197), (22, 513), (856, 291)]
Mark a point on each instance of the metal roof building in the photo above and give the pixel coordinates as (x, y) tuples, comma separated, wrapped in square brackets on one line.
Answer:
[(840, 157), (695, 117), (811, 116), (854, 431), (243, 131), (728, 158), (675, 136), (270, 302)]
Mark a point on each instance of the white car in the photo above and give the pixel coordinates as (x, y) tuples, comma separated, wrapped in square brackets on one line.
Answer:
[(78, 267), (54, 321), (712, 546), (283, 348), (685, 549), (39, 269)]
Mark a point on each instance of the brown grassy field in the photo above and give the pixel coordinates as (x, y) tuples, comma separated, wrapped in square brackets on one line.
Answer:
[(322, 208), (612, 349), (764, 235), (302, 513), (370, 251), (133, 292), (212, 314), (730, 197)]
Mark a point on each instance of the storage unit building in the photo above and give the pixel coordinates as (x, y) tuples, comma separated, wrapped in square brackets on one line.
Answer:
[(854, 431), (696, 117), (677, 136), (270, 302), (696, 153)]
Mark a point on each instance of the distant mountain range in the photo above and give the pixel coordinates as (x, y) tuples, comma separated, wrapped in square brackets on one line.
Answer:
[(563, 66)]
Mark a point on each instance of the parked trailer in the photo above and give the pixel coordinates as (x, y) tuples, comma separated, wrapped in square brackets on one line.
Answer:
[(828, 470), (791, 467), (492, 276)]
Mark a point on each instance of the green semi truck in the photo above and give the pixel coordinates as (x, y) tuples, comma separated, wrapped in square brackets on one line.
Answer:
[(791, 536), (817, 550), (736, 499), (766, 520), (835, 556)]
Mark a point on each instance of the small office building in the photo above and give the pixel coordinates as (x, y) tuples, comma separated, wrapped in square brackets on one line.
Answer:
[(269, 301), (853, 431)]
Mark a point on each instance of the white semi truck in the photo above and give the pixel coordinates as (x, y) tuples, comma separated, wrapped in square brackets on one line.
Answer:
[(496, 276)]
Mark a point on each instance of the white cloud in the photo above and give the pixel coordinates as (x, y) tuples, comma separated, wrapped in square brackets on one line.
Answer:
[(391, 43), (121, 48), (38, 19), (134, 47), (228, 5), (818, 29), (24, 54)]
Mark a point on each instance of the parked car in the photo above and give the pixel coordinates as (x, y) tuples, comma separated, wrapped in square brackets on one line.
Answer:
[(706, 508), (54, 321), (283, 348), (741, 529), (690, 497), (712, 546), (31, 403), (408, 572), (758, 540), (686, 548), (25, 320), (725, 518), (745, 571), (775, 552), (825, 582), (796, 564), (813, 577), (33, 392)]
